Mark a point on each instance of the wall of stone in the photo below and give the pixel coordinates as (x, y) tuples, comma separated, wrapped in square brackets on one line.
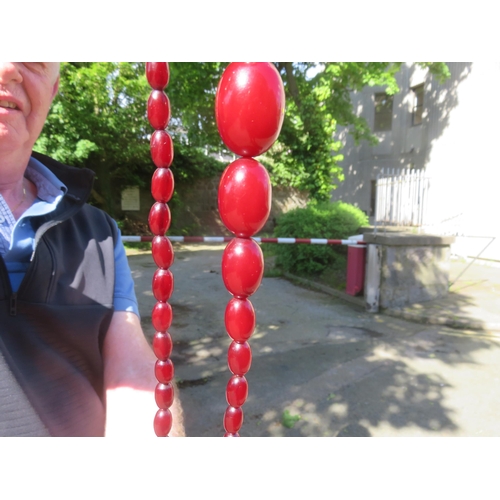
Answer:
[(411, 268), (413, 274), (197, 213)]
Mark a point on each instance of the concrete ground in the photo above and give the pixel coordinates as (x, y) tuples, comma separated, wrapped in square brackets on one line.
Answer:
[(323, 366)]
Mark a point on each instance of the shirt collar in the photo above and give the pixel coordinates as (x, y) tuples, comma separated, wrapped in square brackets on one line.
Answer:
[(49, 187)]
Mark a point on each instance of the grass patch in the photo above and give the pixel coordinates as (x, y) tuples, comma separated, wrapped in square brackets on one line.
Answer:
[(288, 420)]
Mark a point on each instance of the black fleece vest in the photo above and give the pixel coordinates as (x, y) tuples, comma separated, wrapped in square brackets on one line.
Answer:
[(52, 330)]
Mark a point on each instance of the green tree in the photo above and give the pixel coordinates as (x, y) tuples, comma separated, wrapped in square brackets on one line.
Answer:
[(99, 120), (307, 152)]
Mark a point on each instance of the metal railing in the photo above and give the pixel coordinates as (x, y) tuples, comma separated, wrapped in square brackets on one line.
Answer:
[(401, 196)]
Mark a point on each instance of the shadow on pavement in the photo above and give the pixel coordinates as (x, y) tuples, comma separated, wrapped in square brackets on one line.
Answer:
[(322, 367)]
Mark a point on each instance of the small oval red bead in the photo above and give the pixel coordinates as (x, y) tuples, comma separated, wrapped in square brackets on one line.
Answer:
[(242, 267), (162, 422), (237, 391), (239, 319), (164, 371), (162, 149), (161, 316), (162, 345), (164, 395), (163, 252), (244, 197), (163, 284), (162, 185), (250, 107), (158, 109), (239, 358), (233, 419), (158, 74), (159, 218)]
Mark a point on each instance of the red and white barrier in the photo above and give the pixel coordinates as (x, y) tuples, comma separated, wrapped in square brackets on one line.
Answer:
[(224, 239)]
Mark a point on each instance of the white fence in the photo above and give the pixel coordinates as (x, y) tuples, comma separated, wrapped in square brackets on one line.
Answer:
[(401, 196)]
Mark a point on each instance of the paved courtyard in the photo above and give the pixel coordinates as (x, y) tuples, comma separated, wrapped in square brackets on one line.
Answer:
[(322, 366)]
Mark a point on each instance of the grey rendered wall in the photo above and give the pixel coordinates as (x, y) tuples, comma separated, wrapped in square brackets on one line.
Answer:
[(405, 146)]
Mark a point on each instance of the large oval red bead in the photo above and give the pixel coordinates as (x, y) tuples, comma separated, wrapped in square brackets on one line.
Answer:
[(162, 149), (233, 419), (161, 316), (163, 284), (164, 395), (237, 391), (162, 422), (239, 319), (250, 107), (242, 267), (163, 252), (159, 218), (158, 74), (164, 371), (162, 345), (245, 197), (158, 109), (239, 358), (162, 185)]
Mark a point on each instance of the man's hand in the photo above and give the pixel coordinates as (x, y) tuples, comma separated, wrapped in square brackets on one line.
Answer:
[(129, 381)]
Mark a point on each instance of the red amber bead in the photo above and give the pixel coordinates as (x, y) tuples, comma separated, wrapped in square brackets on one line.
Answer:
[(164, 395), (162, 185), (245, 197), (250, 107), (157, 74), (162, 423), (163, 284), (162, 345), (239, 358), (162, 316), (237, 391), (163, 252), (159, 218), (233, 419), (162, 149), (158, 109), (242, 267), (239, 319), (164, 371)]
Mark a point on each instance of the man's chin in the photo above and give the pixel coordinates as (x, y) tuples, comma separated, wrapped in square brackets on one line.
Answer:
[(11, 145)]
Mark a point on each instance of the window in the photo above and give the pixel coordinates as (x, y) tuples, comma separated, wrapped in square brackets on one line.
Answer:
[(383, 112), (418, 104)]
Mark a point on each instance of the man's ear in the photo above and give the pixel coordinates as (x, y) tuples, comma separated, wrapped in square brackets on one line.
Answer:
[(56, 87)]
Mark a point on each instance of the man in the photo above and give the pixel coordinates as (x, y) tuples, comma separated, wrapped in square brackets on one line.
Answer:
[(73, 357)]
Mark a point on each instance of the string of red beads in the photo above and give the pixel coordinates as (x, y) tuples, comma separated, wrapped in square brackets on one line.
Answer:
[(162, 188), (249, 110)]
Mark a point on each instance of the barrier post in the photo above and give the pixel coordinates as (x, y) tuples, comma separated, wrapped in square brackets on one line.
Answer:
[(356, 255)]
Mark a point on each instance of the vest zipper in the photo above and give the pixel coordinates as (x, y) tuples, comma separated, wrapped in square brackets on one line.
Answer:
[(13, 304)]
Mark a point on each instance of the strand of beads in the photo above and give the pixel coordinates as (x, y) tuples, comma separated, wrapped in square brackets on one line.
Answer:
[(249, 110), (162, 188)]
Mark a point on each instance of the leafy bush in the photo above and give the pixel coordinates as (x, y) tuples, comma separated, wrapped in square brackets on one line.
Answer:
[(326, 220)]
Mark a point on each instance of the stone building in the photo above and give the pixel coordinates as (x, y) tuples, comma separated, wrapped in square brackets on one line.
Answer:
[(450, 131)]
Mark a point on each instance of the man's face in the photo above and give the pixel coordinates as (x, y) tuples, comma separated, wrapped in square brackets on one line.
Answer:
[(26, 93)]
